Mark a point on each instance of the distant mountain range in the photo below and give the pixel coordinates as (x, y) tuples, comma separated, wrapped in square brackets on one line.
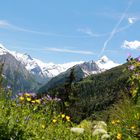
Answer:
[(22, 72), (80, 71)]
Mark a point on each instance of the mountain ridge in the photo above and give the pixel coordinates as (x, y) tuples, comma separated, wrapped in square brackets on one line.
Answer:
[(43, 72), (80, 71)]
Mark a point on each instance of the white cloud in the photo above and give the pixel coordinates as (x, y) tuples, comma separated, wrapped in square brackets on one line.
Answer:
[(6, 24), (69, 51), (10, 26), (132, 20), (89, 32), (131, 44), (3, 23)]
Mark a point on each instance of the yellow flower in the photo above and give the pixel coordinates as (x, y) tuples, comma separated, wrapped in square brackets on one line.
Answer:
[(63, 115), (43, 126), (133, 127), (33, 101), (119, 136), (54, 120), (27, 94), (21, 98), (113, 122), (28, 99), (68, 118), (37, 101), (118, 121)]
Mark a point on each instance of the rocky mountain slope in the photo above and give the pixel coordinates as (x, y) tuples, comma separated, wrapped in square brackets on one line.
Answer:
[(15, 74)]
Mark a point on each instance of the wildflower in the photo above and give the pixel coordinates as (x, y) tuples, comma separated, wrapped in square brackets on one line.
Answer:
[(27, 94), (21, 98), (119, 136), (99, 131), (43, 126), (20, 94), (133, 127), (129, 55), (138, 59), (100, 124), (28, 99), (57, 99), (68, 118), (118, 121), (27, 118), (105, 136), (77, 130), (37, 101), (54, 120), (33, 101), (17, 120), (63, 115), (33, 94), (49, 97), (131, 67), (113, 122), (8, 87)]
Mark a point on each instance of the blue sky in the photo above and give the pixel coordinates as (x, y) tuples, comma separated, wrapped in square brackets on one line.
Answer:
[(62, 31)]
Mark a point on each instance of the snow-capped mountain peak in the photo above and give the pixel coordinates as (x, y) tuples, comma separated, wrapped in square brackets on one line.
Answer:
[(44, 71), (30, 64), (40, 69), (105, 63), (104, 59), (3, 50)]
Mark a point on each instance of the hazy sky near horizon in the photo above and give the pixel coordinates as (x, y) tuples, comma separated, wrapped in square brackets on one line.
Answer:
[(61, 31)]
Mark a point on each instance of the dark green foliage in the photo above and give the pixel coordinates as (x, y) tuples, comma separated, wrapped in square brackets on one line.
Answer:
[(1, 78), (94, 93), (61, 79)]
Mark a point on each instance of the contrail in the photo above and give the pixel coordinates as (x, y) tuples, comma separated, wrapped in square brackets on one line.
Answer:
[(115, 28)]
